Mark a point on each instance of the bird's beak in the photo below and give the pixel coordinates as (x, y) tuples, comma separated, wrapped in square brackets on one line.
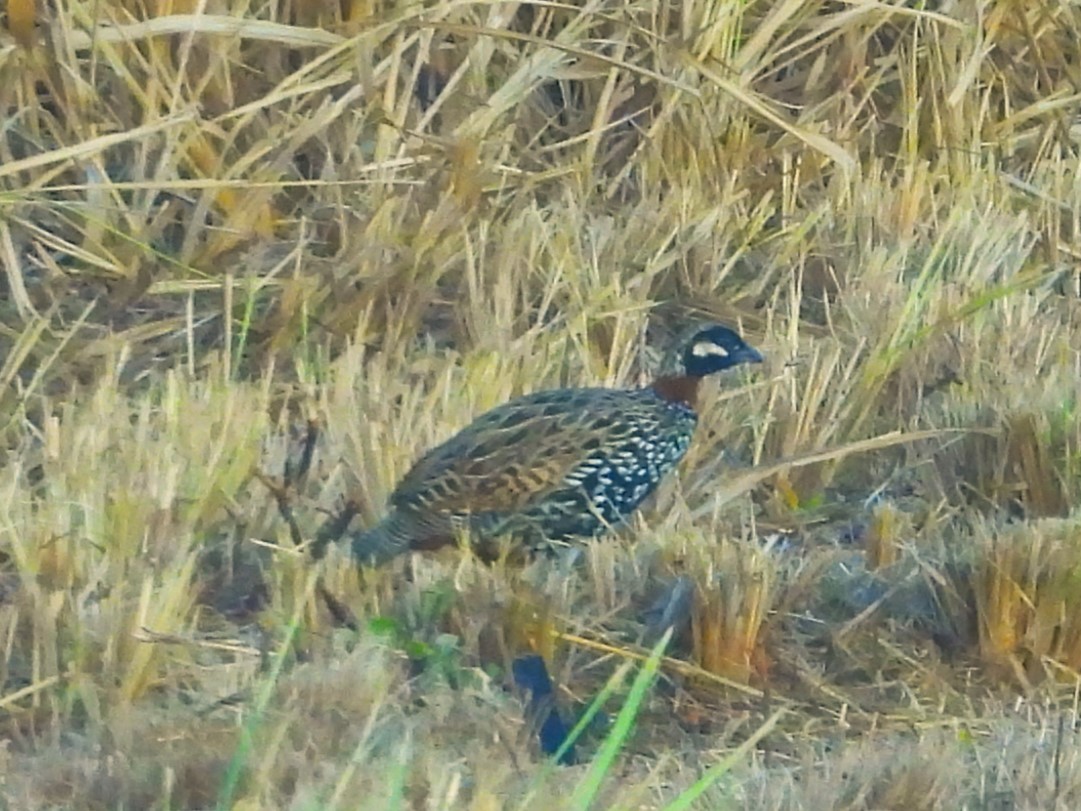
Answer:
[(750, 355)]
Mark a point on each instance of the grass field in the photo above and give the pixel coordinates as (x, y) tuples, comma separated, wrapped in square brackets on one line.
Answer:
[(227, 230)]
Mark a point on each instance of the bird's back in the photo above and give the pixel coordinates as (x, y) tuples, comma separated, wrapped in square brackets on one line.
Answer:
[(551, 466)]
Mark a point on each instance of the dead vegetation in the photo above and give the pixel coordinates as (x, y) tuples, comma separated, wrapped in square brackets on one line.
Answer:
[(220, 223)]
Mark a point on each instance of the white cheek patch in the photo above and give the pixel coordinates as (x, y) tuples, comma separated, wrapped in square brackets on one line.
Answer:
[(705, 349)]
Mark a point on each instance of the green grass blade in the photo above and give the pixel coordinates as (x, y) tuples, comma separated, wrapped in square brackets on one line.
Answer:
[(587, 790), (719, 770)]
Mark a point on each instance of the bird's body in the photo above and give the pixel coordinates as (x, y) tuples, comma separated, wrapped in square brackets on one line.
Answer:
[(553, 466)]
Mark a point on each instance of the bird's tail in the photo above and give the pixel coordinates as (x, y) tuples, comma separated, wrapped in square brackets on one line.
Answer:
[(383, 542)]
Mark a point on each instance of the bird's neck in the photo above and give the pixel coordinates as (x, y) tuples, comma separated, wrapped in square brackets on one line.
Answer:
[(677, 389)]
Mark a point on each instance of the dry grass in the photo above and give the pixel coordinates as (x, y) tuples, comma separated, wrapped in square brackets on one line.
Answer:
[(218, 222)]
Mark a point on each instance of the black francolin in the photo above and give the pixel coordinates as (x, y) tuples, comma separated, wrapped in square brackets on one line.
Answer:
[(555, 465)]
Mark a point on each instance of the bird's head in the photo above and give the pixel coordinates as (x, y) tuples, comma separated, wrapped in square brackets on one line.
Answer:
[(714, 348)]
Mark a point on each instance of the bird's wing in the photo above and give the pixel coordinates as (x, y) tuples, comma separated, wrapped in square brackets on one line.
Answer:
[(516, 454)]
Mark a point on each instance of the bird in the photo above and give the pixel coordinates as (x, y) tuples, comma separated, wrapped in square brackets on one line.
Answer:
[(554, 467)]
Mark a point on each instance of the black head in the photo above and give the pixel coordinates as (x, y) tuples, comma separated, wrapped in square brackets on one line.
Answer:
[(713, 349)]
